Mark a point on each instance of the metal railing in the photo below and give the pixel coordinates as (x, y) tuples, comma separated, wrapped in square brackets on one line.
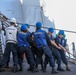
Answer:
[(5, 21)]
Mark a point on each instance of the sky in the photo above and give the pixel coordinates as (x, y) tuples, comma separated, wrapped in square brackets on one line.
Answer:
[(63, 12)]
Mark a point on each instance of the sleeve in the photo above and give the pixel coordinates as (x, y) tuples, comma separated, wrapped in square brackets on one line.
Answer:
[(57, 41), (47, 38), (31, 42), (52, 38), (65, 42)]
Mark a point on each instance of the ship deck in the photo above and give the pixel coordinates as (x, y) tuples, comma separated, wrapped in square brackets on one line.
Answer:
[(48, 72)]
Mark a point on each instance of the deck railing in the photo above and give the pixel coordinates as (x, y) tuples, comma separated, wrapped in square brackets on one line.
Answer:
[(4, 20)]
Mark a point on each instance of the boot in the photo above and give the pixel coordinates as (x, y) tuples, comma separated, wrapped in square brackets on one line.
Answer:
[(1, 69), (7, 65), (54, 71), (59, 68), (42, 66), (21, 67), (29, 69), (36, 65), (15, 69), (34, 69), (44, 69), (67, 68)]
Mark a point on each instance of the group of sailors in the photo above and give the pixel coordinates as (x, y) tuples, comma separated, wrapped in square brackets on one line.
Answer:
[(40, 47)]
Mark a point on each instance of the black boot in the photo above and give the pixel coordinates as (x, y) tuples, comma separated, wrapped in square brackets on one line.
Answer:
[(7, 65), (30, 68), (44, 69), (15, 69), (21, 67), (59, 68), (1, 69), (34, 68), (54, 71)]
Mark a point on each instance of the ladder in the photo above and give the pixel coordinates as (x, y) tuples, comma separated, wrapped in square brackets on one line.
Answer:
[(4, 19), (0, 48)]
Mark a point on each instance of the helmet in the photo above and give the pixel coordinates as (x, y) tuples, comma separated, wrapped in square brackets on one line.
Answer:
[(56, 35), (64, 35), (27, 25), (51, 30), (13, 20), (23, 27), (61, 32), (39, 24), (16, 24)]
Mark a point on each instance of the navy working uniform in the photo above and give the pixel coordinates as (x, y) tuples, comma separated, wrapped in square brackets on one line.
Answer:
[(33, 46), (33, 49), (24, 47), (40, 37), (60, 41), (54, 50)]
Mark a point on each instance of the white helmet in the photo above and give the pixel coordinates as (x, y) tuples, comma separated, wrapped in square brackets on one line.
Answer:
[(16, 24), (13, 20)]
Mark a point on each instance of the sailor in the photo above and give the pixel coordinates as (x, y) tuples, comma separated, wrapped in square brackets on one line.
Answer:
[(54, 48), (34, 50), (60, 41), (11, 44), (24, 47), (31, 42), (40, 37)]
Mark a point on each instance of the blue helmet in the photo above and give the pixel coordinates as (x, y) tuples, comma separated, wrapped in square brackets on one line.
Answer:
[(27, 25), (23, 27), (39, 24), (51, 30), (61, 32), (64, 35)]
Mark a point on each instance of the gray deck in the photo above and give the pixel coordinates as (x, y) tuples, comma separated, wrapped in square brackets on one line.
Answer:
[(25, 72)]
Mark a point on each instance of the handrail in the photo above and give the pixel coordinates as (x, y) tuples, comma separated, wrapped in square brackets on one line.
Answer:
[(5, 19), (56, 29)]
